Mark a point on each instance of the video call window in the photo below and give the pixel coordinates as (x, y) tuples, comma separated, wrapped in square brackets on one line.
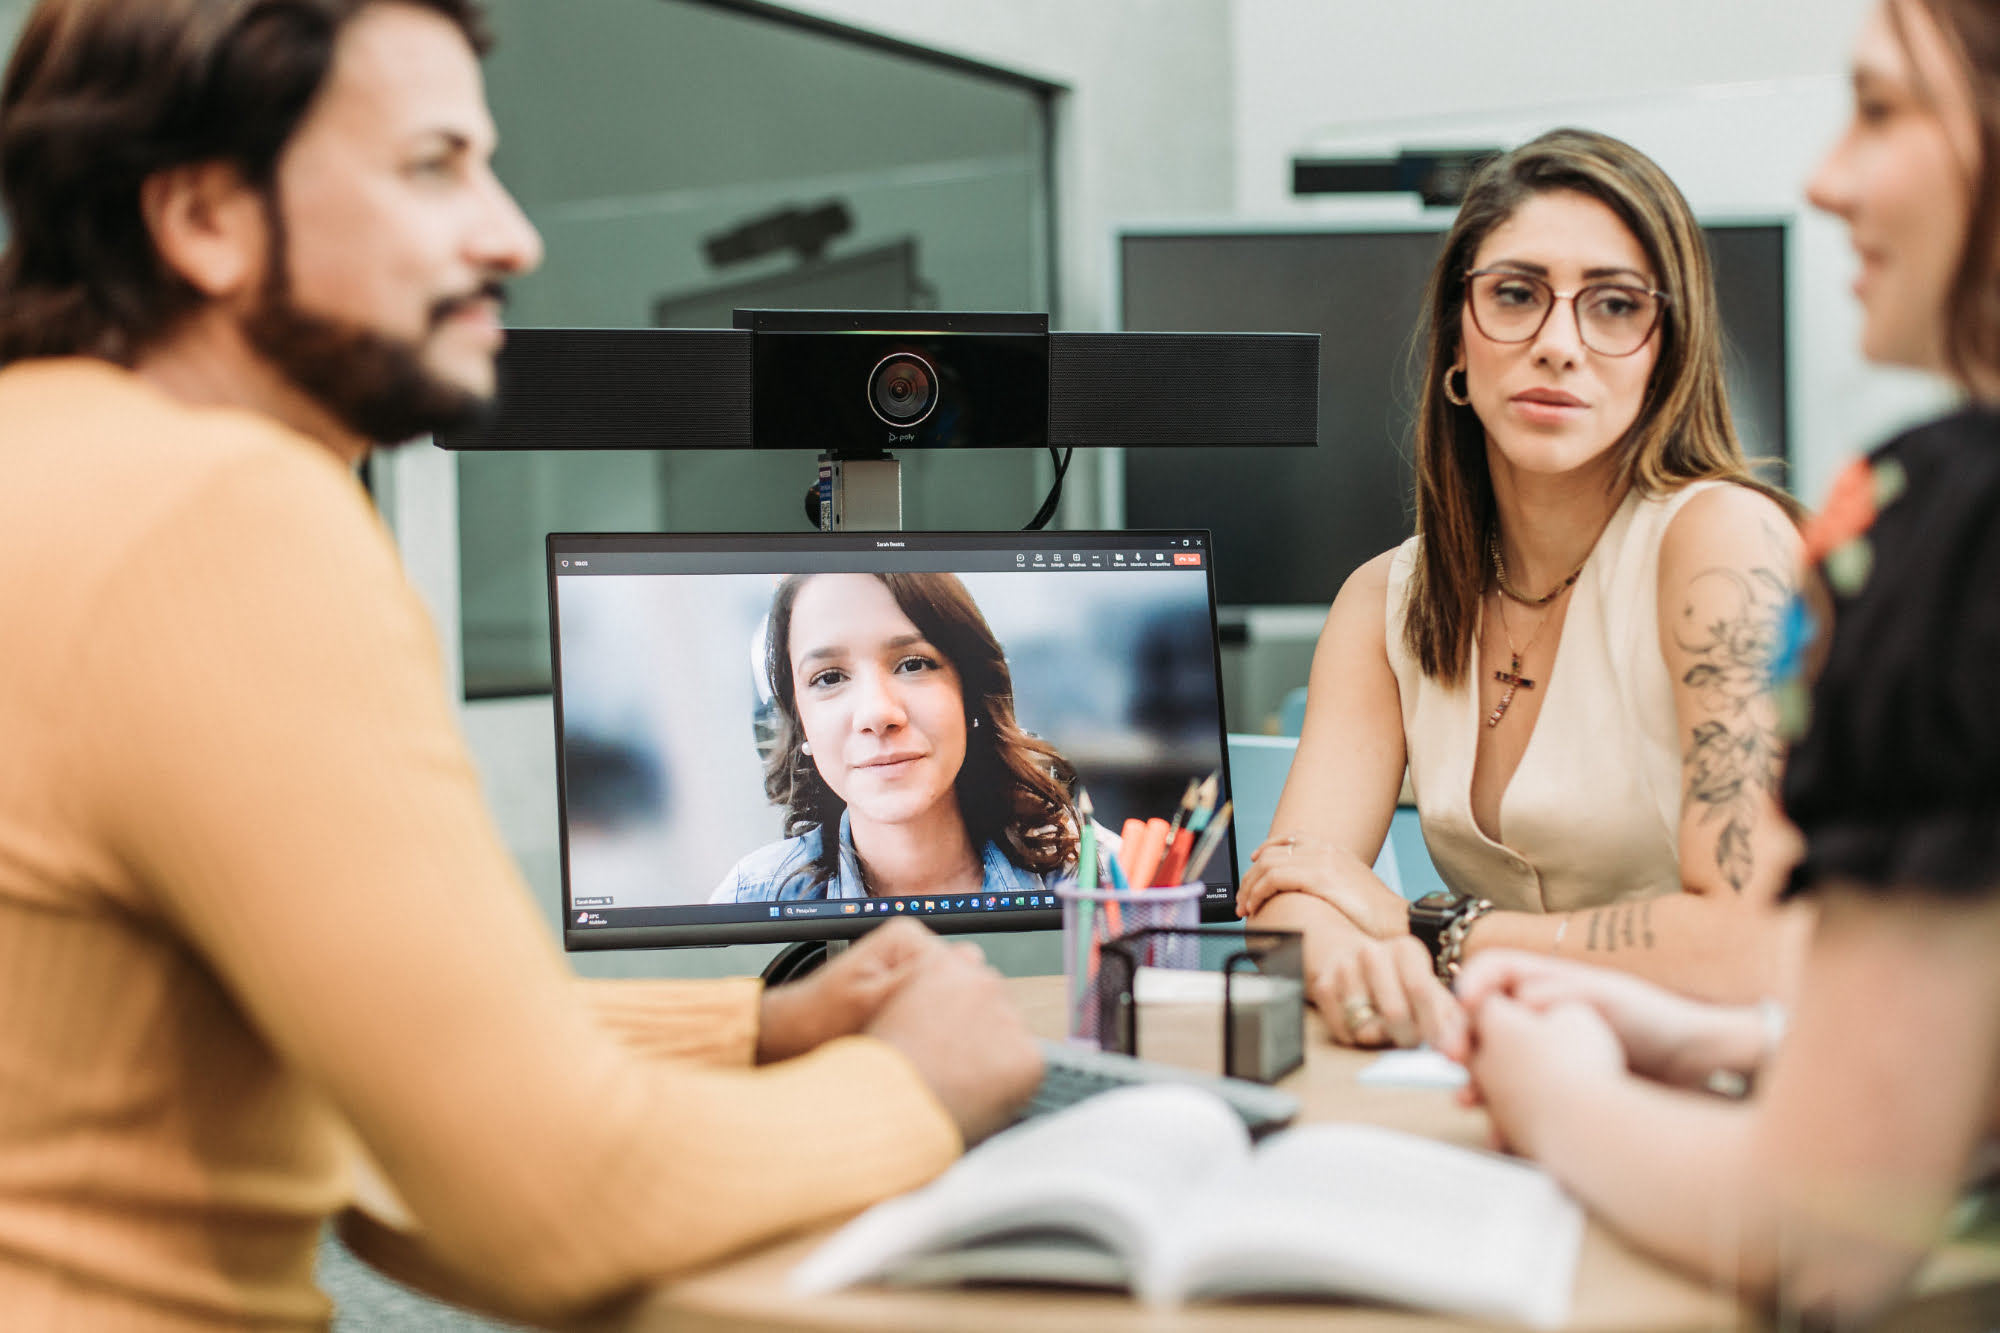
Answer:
[(739, 716)]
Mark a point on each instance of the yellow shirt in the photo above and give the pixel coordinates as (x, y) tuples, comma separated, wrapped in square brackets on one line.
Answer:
[(250, 897)]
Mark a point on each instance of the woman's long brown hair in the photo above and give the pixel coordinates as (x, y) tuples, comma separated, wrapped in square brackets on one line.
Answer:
[(1683, 431)]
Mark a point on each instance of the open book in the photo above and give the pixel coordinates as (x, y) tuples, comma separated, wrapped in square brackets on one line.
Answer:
[(1158, 1190)]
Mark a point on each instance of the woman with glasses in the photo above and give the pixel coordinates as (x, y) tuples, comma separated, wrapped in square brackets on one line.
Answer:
[(1571, 658)]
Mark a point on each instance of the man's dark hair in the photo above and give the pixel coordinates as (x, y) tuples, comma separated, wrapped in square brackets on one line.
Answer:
[(100, 95)]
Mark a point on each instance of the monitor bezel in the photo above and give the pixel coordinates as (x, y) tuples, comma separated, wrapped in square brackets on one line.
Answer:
[(708, 934)]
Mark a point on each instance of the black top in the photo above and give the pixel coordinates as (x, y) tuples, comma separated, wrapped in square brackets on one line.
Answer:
[(1896, 779)]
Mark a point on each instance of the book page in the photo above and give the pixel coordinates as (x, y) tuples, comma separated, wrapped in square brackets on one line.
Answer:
[(1105, 1171), (1358, 1211)]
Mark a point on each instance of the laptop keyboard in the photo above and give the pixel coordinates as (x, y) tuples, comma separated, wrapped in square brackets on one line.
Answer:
[(1072, 1073)]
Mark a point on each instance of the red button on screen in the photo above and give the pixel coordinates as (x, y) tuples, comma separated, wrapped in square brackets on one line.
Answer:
[(1186, 559)]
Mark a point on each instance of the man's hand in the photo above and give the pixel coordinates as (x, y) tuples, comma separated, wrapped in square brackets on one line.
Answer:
[(952, 1018), (1666, 1037), (843, 997)]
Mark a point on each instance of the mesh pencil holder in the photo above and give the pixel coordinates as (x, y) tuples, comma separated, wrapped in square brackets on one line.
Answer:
[(1094, 917)]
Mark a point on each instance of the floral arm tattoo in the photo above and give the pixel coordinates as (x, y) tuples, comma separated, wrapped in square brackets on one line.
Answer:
[(1729, 625)]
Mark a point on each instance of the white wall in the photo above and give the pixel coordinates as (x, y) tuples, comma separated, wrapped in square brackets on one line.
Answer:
[(1309, 69)]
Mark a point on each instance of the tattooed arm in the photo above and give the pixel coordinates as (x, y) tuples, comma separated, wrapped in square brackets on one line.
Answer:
[(1727, 568)]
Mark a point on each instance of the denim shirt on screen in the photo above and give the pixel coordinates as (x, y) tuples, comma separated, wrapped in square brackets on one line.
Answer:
[(788, 870)]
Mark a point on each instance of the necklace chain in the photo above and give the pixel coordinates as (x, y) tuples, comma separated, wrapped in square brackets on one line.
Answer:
[(1512, 677), (1500, 577)]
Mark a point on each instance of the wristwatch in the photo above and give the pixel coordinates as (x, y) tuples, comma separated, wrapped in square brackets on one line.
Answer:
[(1440, 922)]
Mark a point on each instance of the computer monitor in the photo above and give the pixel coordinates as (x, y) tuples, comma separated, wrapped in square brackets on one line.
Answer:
[(952, 683), (1294, 523)]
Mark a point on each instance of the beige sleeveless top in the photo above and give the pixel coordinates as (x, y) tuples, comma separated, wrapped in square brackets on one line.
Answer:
[(1592, 815)]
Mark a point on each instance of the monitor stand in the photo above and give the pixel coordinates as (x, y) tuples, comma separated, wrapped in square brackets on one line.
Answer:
[(796, 961), (864, 492)]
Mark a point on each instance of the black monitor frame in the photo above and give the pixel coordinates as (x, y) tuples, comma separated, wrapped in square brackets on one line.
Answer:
[(669, 926)]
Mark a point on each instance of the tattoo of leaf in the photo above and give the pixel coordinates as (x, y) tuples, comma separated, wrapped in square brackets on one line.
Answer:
[(1733, 755)]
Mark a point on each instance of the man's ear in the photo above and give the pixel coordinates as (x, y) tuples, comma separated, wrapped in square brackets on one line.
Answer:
[(209, 227)]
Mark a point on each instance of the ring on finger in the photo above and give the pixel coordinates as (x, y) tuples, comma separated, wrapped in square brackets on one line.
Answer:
[(1359, 1011)]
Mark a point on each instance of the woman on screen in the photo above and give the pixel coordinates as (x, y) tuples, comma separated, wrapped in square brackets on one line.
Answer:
[(1825, 1189), (1596, 572), (896, 728)]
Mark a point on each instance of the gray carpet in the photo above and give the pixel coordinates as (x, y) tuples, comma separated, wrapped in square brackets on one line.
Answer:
[(365, 1301)]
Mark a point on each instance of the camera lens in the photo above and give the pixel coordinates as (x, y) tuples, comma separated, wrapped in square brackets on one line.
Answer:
[(902, 389)]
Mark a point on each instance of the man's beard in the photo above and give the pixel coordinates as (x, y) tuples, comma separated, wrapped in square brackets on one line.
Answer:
[(375, 385)]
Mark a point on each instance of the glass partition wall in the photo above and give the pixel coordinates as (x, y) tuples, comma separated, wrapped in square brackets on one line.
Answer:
[(647, 141)]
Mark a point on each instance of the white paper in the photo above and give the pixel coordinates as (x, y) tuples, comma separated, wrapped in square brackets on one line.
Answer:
[(1420, 1068)]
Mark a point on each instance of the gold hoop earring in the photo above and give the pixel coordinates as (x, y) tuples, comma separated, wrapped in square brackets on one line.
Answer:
[(1463, 398)]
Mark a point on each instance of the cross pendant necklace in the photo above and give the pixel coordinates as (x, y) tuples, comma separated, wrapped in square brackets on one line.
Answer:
[(1511, 678)]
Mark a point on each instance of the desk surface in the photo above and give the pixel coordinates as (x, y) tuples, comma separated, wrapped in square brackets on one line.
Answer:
[(1616, 1288)]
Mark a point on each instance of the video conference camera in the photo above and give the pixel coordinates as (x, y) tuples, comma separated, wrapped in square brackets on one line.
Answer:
[(855, 385), (859, 383)]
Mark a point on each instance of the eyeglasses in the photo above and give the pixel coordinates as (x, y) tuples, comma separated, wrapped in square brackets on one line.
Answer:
[(1612, 318)]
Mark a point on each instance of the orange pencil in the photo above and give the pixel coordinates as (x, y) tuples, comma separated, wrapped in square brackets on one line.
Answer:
[(1129, 838), (1151, 849)]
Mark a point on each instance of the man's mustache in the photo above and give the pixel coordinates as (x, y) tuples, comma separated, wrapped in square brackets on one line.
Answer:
[(491, 290)]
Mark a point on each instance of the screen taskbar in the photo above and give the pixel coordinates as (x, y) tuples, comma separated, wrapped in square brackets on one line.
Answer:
[(585, 912), (588, 913)]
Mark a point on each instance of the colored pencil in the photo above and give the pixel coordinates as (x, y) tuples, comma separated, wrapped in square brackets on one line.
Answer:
[(1151, 849), (1086, 883), (1129, 838), (1174, 863), (1204, 849)]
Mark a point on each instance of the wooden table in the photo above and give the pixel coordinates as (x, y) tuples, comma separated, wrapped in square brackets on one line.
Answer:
[(1615, 1289), (1615, 1285)]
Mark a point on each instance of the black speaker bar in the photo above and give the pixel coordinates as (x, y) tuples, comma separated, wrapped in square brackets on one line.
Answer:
[(693, 389), (618, 389), (1183, 389)]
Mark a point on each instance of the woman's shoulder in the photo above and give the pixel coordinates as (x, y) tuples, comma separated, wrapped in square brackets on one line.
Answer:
[(1373, 578), (1959, 452), (760, 875), (1896, 779), (1975, 428), (1709, 515)]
